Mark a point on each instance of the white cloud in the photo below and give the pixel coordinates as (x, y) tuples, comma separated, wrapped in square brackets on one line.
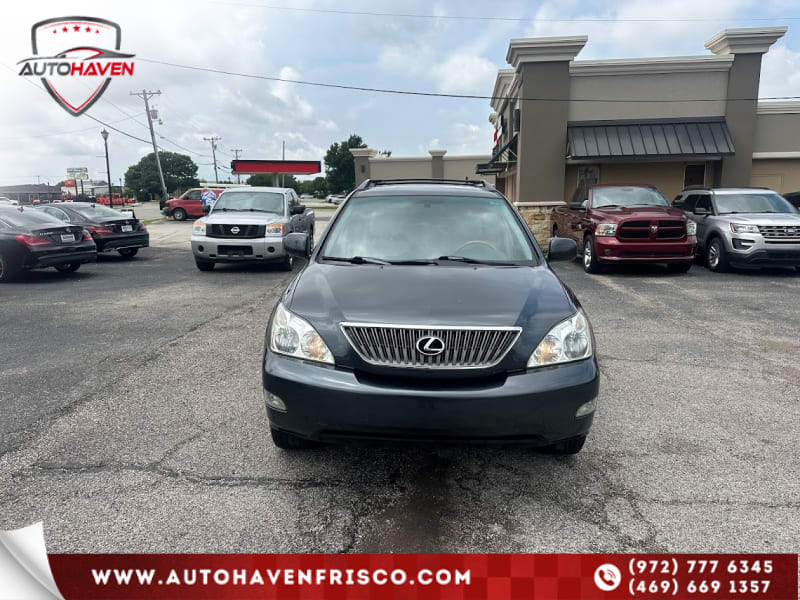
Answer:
[(780, 73)]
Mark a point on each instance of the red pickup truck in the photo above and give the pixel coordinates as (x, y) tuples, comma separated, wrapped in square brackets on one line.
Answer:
[(626, 224), (189, 204)]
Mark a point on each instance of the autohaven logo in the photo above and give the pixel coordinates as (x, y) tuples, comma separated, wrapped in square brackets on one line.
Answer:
[(76, 58)]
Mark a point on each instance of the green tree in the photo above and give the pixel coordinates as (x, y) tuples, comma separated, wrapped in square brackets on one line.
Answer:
[(340, 170), (180, 172), (262, 179)]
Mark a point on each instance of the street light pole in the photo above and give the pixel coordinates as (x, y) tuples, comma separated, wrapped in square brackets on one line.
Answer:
[(104, 133)]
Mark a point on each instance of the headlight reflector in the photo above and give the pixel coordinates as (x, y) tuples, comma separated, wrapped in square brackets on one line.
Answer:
[(568, 341), (293, 336), (276, 229), (738, 228), (606, 229), (691, 228), (199, 228)]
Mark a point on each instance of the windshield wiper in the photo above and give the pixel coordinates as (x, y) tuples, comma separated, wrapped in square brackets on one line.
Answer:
[(474, 261), (358, 260)]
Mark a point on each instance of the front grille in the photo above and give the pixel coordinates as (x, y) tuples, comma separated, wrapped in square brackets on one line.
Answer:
[(780, 232), (642, 230), (397, 345), (217, 230)]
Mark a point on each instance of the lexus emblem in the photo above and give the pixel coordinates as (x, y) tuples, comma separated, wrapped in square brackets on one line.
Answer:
[(654, 228), (235, 230), (430, 345)]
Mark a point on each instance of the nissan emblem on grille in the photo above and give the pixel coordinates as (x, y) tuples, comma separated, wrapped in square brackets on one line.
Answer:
[(430, 345), (235, 230)]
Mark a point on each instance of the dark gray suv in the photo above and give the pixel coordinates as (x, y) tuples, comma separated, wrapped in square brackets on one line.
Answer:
[(428, 312)]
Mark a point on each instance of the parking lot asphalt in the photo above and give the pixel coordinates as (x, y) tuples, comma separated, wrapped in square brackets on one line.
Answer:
[(133, 421)]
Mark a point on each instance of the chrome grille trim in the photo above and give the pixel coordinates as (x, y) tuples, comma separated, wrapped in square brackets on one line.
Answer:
[(465, 347), (780, 231)]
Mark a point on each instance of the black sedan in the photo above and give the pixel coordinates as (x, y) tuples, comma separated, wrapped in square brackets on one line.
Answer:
[(30, 239), (110, 229)]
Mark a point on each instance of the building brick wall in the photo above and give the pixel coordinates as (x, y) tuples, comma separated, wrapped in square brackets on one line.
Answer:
[(537, 216)]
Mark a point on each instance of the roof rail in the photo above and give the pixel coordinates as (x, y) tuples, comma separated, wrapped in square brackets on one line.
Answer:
[(410, 181)]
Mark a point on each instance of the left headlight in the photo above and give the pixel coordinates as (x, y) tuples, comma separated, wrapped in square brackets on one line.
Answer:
[(568, 341), (199, 228), (294, 336)]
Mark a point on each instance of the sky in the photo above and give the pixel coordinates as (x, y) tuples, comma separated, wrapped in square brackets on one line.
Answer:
[(291, 40)]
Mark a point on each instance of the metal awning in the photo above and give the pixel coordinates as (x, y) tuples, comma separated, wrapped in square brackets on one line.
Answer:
[(649, 138)]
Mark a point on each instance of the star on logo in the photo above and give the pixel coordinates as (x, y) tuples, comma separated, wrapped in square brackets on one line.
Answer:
[(77, 28)]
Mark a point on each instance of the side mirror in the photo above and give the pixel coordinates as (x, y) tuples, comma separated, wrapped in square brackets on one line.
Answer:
[(206, 208), (701, 211), (562, 249), (297, 209), (297, 244)]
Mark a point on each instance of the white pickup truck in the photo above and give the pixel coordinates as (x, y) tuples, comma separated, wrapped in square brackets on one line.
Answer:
[(248, 225)]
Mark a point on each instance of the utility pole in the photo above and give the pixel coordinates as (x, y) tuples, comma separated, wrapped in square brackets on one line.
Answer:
[(236, 152), (214, 139), (146, 96)]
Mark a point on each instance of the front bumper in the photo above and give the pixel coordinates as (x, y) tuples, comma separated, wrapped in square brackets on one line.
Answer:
[(238, 250), (166, 211), (754, 251), (612, 250), (534, 407), (127, 240)]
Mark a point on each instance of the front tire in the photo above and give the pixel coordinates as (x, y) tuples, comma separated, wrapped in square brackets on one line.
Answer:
[(716, 256), (679, 267), (287, 441), (70, 268), (204, 265), (179, 214), (128, 252), (8, 272), (567, 447), (590, 263), (287, 263)]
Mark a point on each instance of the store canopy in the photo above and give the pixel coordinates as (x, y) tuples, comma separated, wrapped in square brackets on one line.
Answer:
[(648, 139)]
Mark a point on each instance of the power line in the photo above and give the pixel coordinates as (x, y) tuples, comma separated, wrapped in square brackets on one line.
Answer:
[(214, 139), (446, 95), (46, 135), (363, 13), (146, 95)]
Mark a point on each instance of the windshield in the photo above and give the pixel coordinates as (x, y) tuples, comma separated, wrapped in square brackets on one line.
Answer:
[(271, 202), (98, 211), (766, 202), (627, 196), (410, 228), (28, 218)]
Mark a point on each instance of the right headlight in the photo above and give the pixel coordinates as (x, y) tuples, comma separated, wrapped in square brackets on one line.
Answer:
[(294, 336), (606, 229), (691, 228), (568, 341)]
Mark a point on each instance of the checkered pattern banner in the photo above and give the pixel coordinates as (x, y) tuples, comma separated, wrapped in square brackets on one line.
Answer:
[(427, 576)]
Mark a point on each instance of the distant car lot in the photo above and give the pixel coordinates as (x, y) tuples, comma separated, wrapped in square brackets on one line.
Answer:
[(694, 447)]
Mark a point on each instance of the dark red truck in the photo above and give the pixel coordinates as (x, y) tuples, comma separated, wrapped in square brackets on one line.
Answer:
[(626, 224)]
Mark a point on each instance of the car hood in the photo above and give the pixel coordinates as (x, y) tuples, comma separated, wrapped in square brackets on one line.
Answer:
[(762, 218), (619, 213), (529, 297), (242, 218)]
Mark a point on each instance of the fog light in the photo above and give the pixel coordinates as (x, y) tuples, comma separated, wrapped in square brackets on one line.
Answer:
[(607, 252), (274, 402), (587, 408)]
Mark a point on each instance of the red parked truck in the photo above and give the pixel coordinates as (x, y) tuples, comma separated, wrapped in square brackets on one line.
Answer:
[(626, 224), (189, 204)]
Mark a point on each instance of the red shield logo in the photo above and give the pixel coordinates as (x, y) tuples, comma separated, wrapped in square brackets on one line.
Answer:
[(76, 58)]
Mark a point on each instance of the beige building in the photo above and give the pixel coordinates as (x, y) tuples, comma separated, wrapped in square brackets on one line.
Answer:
[(669, 122), (370, 164)]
